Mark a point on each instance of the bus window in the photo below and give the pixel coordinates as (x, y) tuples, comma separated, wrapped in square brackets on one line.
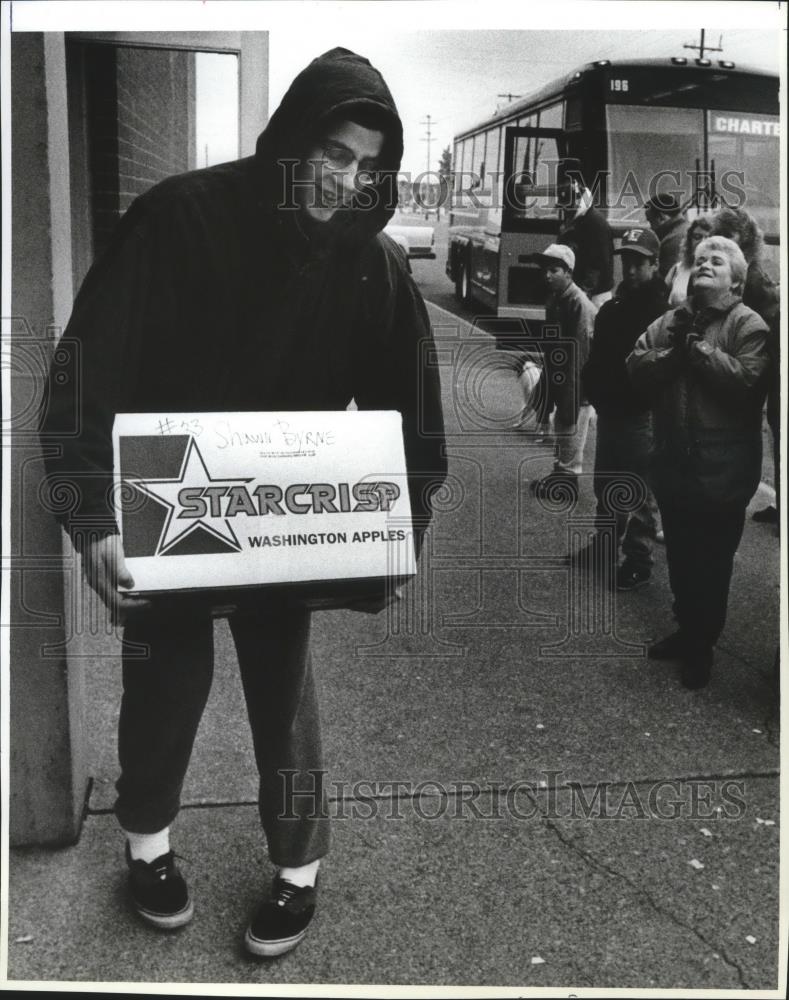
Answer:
[(533, 193), (650, 150), (478, 163), (457, 166), (457, 155), (551, 117), (464, 160), (574, 112), (744, 149), (492, 155), (494, 160)]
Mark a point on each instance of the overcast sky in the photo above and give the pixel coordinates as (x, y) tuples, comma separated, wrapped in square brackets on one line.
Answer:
[(432, 61), (455, 76)]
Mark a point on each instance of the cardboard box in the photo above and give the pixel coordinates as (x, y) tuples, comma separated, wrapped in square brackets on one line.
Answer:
[(315, 503)]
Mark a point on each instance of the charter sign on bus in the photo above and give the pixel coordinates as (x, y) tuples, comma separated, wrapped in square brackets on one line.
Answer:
[(222, 500), (745, 126)]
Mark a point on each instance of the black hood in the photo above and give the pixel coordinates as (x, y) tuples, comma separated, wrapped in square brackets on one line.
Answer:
[(336, 82)]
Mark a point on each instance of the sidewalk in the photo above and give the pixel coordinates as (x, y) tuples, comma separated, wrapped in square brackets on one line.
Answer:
[(516, 887)]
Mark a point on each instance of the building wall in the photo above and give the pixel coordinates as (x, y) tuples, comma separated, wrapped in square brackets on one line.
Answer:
[(139, 105), (54, 630), (47, 746), (155, 118)]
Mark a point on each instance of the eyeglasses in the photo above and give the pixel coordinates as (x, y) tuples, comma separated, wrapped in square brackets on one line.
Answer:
[(341, 157)]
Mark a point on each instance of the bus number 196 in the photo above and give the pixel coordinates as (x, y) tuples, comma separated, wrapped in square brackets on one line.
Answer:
[(619, 85)]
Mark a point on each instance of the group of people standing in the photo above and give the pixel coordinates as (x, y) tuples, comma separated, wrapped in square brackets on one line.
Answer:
[(676, 363)]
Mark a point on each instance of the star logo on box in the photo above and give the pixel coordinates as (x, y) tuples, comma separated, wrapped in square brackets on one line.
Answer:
[(182, 520)]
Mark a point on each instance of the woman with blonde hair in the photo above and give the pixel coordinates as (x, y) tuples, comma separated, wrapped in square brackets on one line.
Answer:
[(705, 367)]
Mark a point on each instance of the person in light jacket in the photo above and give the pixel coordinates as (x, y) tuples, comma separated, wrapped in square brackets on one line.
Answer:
[(571, 315), (705, 367)]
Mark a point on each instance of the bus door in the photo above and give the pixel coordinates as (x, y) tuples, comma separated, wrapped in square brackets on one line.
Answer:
[(530, 217)]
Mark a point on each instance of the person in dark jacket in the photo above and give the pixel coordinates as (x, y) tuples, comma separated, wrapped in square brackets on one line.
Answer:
[(705, 367), (588, 235), (261, 284), (624, 425), (760, 294), (666, 216)]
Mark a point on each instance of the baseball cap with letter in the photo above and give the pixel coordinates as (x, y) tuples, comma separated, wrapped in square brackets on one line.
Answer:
[(556, 253), (643, 241)]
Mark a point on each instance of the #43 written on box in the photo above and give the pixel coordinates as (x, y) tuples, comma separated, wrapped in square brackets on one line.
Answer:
[(222, 500)]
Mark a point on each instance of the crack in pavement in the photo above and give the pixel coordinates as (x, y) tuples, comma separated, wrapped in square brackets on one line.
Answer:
[(568, 841), (591, 861)]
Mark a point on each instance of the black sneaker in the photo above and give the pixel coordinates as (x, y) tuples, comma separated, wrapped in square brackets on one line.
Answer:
[(281, 920), (631, 578), (159, 892), (696, 668)]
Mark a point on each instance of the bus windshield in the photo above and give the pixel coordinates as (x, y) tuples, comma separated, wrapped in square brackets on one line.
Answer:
[(651, 150), (657, 149), (744, 152)]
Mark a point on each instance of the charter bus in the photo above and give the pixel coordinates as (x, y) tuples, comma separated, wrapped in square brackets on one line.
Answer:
[(708, 131)]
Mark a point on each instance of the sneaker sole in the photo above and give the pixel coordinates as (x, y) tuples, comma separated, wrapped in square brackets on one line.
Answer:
[(270, 949), (167, 921)]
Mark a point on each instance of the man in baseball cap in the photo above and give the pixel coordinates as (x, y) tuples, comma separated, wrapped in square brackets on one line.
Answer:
[(624, 432), (556, 252), (640, 241), (569, 310)]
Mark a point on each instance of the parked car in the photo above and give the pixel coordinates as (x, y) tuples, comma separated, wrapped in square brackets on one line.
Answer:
[(416, 241)]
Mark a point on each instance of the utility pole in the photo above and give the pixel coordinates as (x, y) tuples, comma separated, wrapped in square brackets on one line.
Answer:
[(428, 138), (508, 97), (701, 47), (428, 122)]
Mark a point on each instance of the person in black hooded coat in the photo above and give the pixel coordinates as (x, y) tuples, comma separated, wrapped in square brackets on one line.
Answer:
[(260, 284)]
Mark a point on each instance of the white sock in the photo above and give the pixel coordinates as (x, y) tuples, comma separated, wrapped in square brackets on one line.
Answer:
[(148, 846), (304, 875)]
